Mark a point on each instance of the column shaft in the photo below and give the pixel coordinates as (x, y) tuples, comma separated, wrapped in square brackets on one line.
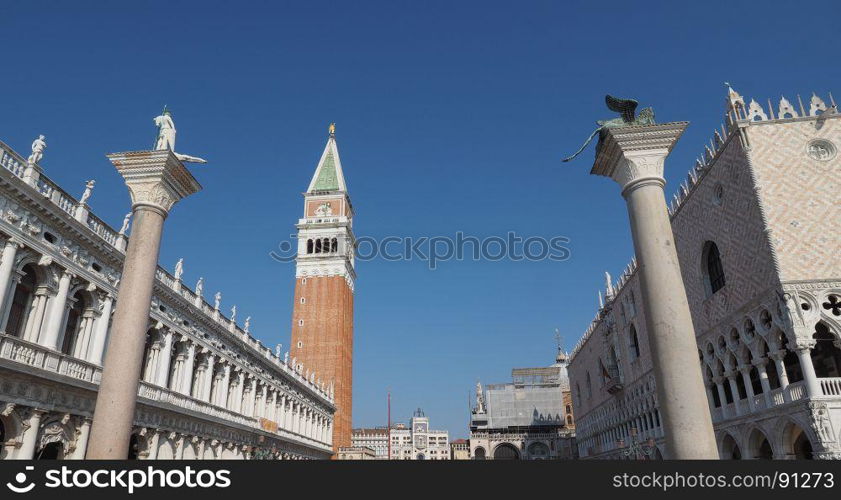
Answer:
[(7, 265), (30, 437), (117, 396), (57, 309), (813, 387), (671, 335), (165, 357), (82, 440), (97, 348)]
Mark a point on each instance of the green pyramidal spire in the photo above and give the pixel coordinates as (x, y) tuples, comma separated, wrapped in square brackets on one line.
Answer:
[(328, 175)]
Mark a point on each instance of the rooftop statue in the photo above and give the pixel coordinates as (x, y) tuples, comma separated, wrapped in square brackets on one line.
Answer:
[(38, 146), (126, 222), (88, 190), (179, 269), (627, 109)]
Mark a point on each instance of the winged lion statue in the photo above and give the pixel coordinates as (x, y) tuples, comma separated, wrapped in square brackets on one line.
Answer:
[(627, 111)]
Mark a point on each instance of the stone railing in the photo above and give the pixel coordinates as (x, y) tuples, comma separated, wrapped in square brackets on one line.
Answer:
[(38, 356), (777, 397), (102, 229), (830, 386), (15, 164), (161, 395), (11, 161)]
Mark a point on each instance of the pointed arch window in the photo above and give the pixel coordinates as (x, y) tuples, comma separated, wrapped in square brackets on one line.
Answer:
[(713, 269), (635, 342)]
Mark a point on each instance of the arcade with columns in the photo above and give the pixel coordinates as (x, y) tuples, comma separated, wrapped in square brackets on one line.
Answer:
[(209, 389)]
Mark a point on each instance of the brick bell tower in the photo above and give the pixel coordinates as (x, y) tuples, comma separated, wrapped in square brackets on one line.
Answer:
[(322, 318)]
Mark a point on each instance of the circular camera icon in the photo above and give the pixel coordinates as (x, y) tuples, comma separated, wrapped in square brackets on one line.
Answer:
[(20, 479)]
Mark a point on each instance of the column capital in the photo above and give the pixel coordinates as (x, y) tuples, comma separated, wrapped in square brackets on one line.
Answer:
[(635, 155), (805, 345), (12, 241), (760, 362), (155, 179), (777, 355)]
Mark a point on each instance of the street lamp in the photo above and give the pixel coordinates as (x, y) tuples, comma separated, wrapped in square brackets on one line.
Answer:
[(637, 450)]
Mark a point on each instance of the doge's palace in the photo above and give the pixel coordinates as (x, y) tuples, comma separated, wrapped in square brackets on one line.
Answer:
[(209, 389), (757, 227)]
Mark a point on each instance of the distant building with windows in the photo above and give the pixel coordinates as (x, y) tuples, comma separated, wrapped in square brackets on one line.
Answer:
[(356, 453), (413, 442), (418, 442), (530, 418), (373, 438), (459, 449), (757, 226)]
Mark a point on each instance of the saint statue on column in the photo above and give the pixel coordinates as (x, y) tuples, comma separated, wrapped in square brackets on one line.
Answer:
[(166, 131)]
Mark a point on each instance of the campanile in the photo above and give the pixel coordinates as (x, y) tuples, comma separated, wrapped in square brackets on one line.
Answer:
[(322, 317)]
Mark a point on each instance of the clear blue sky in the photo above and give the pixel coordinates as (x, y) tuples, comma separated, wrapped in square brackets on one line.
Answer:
[(451, 116)]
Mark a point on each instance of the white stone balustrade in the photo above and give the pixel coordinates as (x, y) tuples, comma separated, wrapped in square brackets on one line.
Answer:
[(36, 356)]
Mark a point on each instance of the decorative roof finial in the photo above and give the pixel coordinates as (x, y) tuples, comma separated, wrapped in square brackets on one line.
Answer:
[(332, 129), (734, 99), (608, 286)]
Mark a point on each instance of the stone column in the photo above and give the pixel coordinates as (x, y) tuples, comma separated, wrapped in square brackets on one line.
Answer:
[(85, 334), (782, 375), (152, 444), (97, 348), (264, 401), (634, 157), (734, 390), (804, 355), (156, 181), (763, 379), (36, 315), (164, 359), (708, 386), (745, 369), (7, 265), (226, 384), (82, 440), (252, 397), (209, 373), (30, 436), (49, 339), (722, 396), (239, 392)]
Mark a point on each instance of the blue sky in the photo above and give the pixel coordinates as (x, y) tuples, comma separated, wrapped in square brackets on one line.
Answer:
[(451, 116)]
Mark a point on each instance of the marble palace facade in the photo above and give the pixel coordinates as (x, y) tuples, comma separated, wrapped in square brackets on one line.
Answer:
[(209, 389), (756, 227)]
